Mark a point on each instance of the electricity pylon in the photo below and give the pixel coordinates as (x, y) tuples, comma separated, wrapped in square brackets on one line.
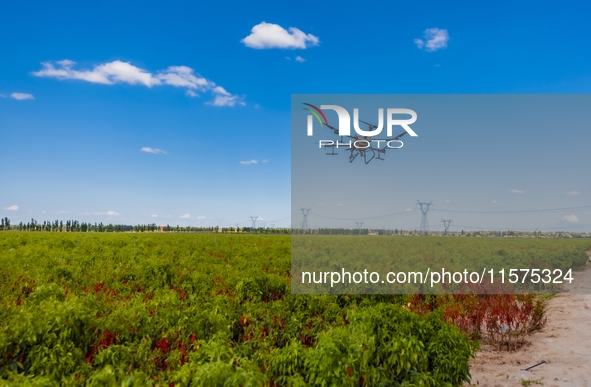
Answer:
[(424, 220), (446, 224), (254, 222), (359, 225), (305, 221)]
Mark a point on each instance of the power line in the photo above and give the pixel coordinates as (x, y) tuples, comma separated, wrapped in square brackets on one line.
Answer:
[(386, 216), (280, 220), (555, 229), (517, 211)]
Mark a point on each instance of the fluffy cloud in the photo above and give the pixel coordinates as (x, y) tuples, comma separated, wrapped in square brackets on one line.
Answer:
[(434, 39), (571, 218), (249, 162), (107, 73), (223, 98), (21, 96), (268, 35), (147, 149), (574, 193), (299, 59), (186, 216), (11, 208), (517, 191), (124, 72)]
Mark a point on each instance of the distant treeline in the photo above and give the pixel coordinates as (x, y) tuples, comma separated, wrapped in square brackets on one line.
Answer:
[(76, 226)]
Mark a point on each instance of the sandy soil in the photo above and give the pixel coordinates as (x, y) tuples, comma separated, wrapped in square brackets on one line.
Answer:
[(564, 343)]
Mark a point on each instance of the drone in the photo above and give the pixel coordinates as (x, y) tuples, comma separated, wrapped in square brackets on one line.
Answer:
[(367, 153)]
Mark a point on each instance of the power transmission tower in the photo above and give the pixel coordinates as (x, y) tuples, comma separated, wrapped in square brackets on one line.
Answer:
[(254, 222), (359, 225), (305, 221), (446, 224), (424, 220)]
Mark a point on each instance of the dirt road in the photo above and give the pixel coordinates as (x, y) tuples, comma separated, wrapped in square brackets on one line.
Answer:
[(564, 343)]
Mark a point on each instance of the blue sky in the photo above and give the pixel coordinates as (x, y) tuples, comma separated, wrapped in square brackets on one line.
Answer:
[(150, 76)]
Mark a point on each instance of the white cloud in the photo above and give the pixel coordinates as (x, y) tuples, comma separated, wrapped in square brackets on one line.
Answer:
[(11, 208), (434, 39), (571, 218), (249, 162), (21, 96), (182, 76), (574, 193), (494, 202), (223, 98), (447, 201), (340, 205), (268, 35), (288, 58), (265, 161), (66, 63), (107, 73), (155, 216), (201, 217), (226, 100), (299, 59), (108, 213), (62, 212), (124, 72), (3, 96), (152, 150), (186, 216), (516, 191)]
